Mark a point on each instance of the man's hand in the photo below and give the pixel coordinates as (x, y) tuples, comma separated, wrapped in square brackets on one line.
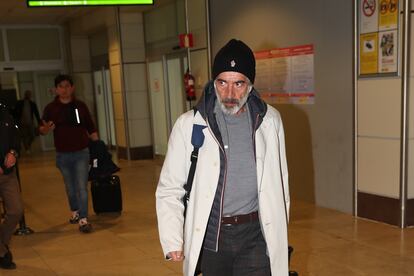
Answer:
[(1, 171), (176, 256), (46, 127), (10, 160)]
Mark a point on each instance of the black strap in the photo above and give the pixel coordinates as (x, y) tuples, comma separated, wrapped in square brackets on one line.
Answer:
[(197, 140), (189, 185)]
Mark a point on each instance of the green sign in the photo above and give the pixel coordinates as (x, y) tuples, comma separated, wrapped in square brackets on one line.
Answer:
[(55, 3)]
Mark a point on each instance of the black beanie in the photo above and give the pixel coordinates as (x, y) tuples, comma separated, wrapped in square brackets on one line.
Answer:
[(235, 56)]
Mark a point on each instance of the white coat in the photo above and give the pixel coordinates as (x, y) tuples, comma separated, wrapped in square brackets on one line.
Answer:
[(272, 182)]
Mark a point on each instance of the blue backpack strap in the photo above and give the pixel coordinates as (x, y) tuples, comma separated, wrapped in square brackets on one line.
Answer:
[(197, 140), (197, 137)]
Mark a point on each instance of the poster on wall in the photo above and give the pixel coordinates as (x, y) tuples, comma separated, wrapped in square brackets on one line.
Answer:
[(388, 16), (368, 50), (286, 75), (387, 61), (378, 38), (368, 16)]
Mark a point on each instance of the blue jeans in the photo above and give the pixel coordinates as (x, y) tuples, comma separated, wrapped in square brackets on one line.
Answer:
[(74, 167)]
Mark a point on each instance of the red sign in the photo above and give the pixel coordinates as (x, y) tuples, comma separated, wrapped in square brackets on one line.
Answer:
[(186, 40), (285, 52), (369, 7)]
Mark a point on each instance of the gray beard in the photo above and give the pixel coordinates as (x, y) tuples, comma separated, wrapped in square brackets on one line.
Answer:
[(232, 110)]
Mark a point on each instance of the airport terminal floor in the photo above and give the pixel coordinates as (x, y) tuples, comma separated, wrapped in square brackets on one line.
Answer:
[(326, 242)]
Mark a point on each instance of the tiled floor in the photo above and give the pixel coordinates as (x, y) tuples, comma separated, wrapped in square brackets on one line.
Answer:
[(326, 242)]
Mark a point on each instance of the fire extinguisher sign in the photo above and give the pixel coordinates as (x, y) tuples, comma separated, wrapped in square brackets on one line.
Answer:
[(189, 84), (186, 40)]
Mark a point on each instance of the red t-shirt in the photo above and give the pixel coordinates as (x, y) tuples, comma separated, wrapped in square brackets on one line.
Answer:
[(73, 124)]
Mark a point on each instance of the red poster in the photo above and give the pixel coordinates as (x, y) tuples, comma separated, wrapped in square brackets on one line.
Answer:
[(286, 75)]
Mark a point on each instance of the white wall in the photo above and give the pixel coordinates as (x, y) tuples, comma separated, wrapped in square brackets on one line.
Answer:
[(379, 114), (319, 136)]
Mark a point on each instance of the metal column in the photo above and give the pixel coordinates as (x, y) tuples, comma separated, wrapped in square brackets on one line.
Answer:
[(123, 86), (355, 123), (405, 75)]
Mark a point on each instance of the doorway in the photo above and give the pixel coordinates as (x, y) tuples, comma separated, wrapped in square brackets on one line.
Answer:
[(104, 106), (45, 93), (165, 78)]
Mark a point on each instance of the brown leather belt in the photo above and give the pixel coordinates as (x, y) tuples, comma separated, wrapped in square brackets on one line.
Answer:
[(240, 219)]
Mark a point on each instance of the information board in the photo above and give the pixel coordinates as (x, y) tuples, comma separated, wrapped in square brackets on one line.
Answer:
[(378, 37), (286, 75)]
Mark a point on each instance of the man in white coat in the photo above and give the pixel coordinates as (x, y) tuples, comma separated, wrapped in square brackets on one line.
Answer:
[(237, 215)]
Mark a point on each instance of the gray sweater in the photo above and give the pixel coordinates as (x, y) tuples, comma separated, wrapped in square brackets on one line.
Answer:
[(240, 192)]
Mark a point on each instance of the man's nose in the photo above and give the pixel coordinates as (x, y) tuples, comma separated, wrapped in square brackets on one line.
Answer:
[(230, 91)]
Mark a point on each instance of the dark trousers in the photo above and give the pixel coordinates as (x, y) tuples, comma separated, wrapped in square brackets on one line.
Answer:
[(242, 252), (27, 135), (10, 194)]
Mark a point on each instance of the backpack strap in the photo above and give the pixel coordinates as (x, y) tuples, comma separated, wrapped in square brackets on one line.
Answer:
[(197, 140)]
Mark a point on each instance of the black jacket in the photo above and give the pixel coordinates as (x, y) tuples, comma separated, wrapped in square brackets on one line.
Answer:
[(9, 133), (100, 161)]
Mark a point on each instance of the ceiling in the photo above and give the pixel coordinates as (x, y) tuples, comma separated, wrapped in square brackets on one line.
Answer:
[(16, 12)]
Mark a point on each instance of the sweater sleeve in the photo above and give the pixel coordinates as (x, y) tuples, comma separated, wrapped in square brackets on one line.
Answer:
[(89, 124)]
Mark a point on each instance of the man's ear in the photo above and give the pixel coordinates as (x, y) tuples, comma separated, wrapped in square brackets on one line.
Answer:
[(250, 88)]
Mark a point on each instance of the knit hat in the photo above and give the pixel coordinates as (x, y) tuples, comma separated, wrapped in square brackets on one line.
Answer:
[(235, 56)]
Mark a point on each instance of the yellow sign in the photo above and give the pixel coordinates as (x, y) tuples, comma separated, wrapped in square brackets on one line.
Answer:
[(388, 16), (368, 49)]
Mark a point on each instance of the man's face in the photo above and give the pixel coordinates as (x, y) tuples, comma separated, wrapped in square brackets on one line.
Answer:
[(64, 89), (232, 90)]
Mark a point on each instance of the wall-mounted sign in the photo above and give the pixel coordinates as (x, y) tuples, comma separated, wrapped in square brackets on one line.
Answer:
[(368, 16), (368, 56), (286, 75), (156, 85), (387, 52), (388, 15), (378, 37), (186, 40)]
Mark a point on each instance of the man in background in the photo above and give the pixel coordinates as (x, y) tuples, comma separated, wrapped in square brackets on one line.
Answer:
[(9, 187), (25, 112), (72, 126)]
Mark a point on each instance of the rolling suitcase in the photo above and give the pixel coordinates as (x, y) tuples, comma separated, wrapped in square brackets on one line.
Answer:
[(106, 194)]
